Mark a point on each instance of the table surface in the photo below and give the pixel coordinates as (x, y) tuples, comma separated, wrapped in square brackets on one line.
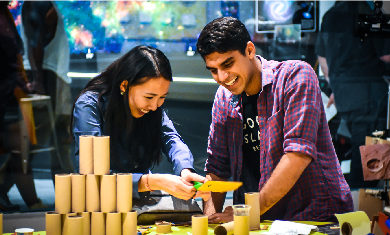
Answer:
[(186, 229)]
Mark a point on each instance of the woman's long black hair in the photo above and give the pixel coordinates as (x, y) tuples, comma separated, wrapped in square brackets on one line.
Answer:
[(138, 138)]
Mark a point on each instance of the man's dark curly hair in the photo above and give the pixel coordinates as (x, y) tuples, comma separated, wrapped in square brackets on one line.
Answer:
[(222, 35)]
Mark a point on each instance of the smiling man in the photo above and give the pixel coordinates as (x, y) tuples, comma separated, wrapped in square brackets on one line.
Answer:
[(269, 131)]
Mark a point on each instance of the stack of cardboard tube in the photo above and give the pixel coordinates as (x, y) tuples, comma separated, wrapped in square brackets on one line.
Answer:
[(94, 201)]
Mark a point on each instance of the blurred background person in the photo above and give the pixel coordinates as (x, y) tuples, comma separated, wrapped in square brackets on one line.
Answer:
[(47, 59), (13, 80), (355, 67)]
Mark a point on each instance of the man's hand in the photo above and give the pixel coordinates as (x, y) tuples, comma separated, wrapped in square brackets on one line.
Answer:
[(225, 216), (331, 100), (190, 177)]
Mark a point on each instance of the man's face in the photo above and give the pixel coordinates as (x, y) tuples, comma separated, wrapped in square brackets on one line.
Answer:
[(232, 69)]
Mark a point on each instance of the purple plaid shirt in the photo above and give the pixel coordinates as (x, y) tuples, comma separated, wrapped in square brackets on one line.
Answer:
[(291, 119)]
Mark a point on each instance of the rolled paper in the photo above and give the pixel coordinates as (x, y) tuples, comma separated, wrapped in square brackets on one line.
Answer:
[(65, 222), (53, 223), (113, 223), (129, 223), (252, 199), (98, 223), (62, 193), (74, 225), (163, 227), (101, 155), (86, 154), (224, 229), (124, 192), (108, 193), (200, 225), (92, 193), (78, 193), (86, 222)]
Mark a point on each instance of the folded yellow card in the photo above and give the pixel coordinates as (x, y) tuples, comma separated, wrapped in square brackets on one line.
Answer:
[(220, 186)]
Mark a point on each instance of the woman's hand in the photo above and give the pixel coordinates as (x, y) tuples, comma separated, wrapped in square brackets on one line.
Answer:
[(172, 184), (190, 177)]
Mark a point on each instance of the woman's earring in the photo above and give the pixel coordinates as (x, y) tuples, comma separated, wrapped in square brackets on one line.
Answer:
[(123, 86)]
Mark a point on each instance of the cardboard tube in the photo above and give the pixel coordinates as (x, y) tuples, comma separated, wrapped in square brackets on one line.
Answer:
[(78, 193), (124, 192), (224, 229), (163, 227), (129, 223), (86, 222), (62, 193), (92, 193), (200, 225), (53, 223), (252, 199), (86, 154), (98, 223), (113, 223), (101, 155), (65, 222), (74, 225), (108, 193)]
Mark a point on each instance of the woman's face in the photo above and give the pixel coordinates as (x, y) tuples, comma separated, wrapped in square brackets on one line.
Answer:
[(148, 96)]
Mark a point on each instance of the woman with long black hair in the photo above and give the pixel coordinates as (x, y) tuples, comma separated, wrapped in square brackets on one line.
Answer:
[(124, 102)]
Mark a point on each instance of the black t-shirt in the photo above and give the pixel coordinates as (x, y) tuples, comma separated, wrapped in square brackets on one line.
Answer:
[(250, 174)]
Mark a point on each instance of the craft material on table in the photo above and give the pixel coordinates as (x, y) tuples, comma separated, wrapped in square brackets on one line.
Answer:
[(217, 186), (354, 223)]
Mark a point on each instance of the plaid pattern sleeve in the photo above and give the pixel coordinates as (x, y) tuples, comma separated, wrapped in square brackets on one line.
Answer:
[(296, 122), (302, 102), (218, 161)]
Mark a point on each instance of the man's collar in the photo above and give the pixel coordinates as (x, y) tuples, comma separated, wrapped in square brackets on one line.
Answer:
[(267, 77)]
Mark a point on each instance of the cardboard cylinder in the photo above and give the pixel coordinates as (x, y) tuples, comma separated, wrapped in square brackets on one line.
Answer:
[(200, 225), (98, 223), (124, 192), (252, 199), (86, 154), (224, 229), (129, 223), (53, 223), (92, 193), (86, 222), (108, 193), (64, 220), (114, 223), (163, 227), (73, 225), (78, 193), (62, 193), (101, 155)]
